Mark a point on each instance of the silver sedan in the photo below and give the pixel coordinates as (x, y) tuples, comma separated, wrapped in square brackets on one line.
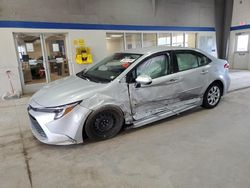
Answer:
[(132, 88)]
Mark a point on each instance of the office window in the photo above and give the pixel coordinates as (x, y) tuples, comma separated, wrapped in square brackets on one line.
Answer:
[(114, 42), (133, 40), (207, 43), (190, 40), (164, 39), (178, 39), (242, 43), (149, 39)]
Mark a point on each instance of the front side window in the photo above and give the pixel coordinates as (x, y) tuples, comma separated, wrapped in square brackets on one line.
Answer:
[(154, 67), (109, 68), (186, 61)]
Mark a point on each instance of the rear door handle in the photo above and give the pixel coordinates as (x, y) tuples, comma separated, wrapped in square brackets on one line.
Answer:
[(204, 71)]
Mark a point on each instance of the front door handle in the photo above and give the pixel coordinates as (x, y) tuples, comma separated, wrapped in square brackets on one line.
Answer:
[(173, 80)]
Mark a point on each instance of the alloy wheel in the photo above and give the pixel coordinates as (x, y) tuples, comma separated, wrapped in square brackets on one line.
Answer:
[(213, 96)]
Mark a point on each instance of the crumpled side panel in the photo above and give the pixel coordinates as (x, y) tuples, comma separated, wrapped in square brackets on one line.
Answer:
[(118, 97)]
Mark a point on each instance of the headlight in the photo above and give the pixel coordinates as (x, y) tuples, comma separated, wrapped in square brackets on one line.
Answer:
[(59, 111), (63, 110)]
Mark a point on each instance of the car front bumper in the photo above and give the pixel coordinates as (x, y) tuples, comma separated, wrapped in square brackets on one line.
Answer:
[(64, 131)]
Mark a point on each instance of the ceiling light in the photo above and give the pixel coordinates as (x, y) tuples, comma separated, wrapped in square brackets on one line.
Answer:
[(108, 38), (116, 36)]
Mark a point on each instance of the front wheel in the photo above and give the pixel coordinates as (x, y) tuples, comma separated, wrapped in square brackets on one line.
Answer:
[(104, 123), (212, 96)]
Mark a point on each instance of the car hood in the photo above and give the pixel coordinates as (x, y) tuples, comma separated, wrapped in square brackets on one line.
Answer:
[(65, 91)]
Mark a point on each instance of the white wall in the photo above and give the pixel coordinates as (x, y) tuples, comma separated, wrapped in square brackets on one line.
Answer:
[(94, 39), (131, 12), (8, 61), (241, 12)]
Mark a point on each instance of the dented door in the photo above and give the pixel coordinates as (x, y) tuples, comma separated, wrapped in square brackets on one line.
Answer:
[(193, 69), (158, 96), (154, 98)]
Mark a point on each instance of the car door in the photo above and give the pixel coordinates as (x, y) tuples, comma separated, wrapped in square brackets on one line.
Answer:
[(193, 68), (158, 96)]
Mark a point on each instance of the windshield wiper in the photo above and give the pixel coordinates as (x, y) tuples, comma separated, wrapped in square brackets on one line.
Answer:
[(83, 76), (92, 78)]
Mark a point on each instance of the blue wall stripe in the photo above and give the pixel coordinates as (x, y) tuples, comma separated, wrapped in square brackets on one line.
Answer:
[(241, 27), (53, 25)]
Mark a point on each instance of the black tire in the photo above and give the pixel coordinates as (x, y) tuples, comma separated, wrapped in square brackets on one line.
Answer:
[(212, 96), (104, 123)]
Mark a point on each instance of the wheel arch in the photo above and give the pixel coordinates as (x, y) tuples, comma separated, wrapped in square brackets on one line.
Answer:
[(220, 83), (108, 106)]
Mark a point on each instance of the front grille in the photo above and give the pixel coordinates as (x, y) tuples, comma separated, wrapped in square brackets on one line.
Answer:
[(36, 127)]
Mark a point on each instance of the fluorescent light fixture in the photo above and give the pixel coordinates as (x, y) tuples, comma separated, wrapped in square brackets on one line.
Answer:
[(108, 38), (116, 36)]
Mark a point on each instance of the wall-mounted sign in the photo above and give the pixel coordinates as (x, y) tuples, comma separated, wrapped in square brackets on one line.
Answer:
[(83, 53), (30, 47), (79, 42), (75, 42), (55, 47)]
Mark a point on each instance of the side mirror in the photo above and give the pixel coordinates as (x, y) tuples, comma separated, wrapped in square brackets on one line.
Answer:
[(143, 80)]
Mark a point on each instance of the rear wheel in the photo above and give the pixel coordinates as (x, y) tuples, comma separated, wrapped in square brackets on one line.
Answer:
[(212, 96), (104, 123)]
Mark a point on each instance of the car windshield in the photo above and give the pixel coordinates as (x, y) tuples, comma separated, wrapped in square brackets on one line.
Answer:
[(109, 68)]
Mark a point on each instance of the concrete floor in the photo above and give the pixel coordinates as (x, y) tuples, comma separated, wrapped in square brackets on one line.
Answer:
[(198, 149), (239, 79)]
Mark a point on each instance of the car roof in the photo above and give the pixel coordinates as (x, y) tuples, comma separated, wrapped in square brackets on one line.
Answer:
[(155, 49), (150, 50)]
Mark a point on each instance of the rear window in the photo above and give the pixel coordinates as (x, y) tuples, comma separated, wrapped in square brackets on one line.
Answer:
[(191, 59), (186, 61)]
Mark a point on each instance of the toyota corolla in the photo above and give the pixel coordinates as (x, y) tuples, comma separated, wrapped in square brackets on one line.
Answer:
[(131, 88)]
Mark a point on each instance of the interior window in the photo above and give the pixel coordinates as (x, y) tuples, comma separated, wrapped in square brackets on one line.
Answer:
[(154, 67), (242, 43), (186, 61)]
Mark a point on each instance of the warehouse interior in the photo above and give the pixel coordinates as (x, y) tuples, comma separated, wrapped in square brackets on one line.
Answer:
[(40, 43)]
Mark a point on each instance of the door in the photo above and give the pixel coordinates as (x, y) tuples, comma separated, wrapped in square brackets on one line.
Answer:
[(42, 58), (241, 52), (151, 99), (56, 56), (193, 68), (31, 62)]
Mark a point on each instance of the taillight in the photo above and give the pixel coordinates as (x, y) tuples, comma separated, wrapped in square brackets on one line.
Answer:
[(226, 66)]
